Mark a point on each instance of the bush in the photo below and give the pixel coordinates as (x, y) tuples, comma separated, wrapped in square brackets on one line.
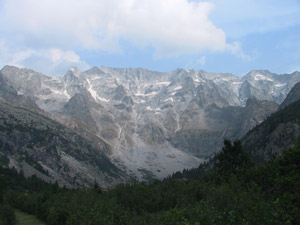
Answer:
[(7, 215)]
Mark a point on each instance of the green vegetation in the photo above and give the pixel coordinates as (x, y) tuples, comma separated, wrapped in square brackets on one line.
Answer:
[(275, 133), (238, 191), (26, 219), (7, 216)]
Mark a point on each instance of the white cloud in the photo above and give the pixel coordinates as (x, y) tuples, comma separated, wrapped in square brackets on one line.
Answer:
[(196, 63), (235, 48), (201, 61), (53, 61), (57, 54), (171, 27)]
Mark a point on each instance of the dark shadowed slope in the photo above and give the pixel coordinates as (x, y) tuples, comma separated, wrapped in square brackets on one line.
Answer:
[(44, 147)]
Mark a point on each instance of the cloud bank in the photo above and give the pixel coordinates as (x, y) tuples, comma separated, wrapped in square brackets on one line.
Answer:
[(51, 61), (170, 27)]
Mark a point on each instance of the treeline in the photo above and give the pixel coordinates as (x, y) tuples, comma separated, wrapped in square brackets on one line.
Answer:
[(238, 191), (14, 183)]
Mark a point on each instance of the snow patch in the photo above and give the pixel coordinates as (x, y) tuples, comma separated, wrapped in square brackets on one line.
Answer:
[(237, 82), (57, 92), (20, 92), (220, 79), (163, 83), (169, 99), (66, 94), (197, 80), (103, 99), (262, 77), (92, 92), (177, 88), (73, 69), (151, 109), (146, 95), (280, 85)]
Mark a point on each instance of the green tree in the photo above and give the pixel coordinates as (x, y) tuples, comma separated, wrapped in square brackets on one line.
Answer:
[(7, 215), (232, 158)]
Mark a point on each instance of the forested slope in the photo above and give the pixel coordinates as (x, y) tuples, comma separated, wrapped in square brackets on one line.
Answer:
[(237, 192)]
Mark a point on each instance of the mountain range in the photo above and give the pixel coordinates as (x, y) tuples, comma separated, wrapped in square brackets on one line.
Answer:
[(112, 125)]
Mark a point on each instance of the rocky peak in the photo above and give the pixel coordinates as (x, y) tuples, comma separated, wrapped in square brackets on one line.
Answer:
[(79, 107), (72, 75), (253, 73), (24, 81), (8, 94), (94, 70)]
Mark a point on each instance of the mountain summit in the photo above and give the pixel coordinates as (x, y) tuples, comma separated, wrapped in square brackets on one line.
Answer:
[(154, 123)]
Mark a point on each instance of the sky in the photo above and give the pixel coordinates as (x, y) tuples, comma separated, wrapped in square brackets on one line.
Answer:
[(228, 36)]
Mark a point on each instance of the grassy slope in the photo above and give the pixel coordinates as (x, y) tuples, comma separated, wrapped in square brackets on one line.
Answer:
[(27, 219)]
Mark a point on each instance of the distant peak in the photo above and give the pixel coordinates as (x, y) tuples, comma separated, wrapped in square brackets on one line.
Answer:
[(94, 70), (264, 72), (74, 69), (15, 69), (9, 67)]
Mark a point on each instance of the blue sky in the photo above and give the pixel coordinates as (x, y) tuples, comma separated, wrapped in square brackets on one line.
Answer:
[(229, 36)]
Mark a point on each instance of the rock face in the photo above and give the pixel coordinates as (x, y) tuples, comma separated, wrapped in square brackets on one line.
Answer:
[(41, 146), (275, 134), (264, 85), (231, 122), (9, 94), (154, 123)]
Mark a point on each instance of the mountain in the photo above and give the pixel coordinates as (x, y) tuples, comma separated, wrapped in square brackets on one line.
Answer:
[(275, 134), (9, 94), (154, 123), (293, 96), (264, 85), (278, 132), (231, 122), (38, 145)]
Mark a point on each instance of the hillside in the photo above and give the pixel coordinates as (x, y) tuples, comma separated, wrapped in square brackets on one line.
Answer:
[(237, 192), (275, 134), (293, 96), (38, 145)]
